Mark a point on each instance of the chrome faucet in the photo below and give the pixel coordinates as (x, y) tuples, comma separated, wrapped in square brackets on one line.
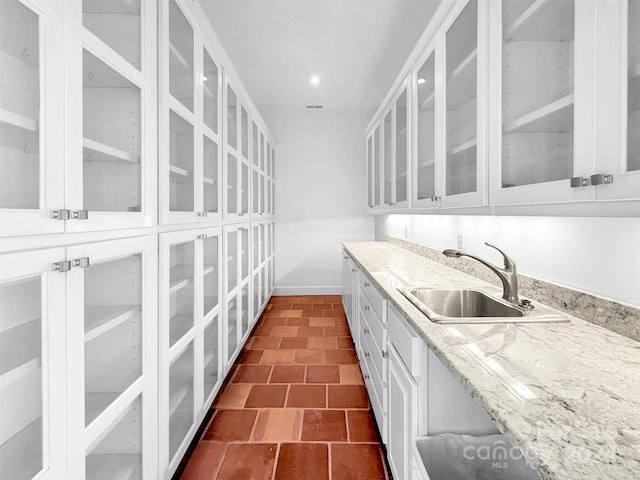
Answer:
[(508, 275)]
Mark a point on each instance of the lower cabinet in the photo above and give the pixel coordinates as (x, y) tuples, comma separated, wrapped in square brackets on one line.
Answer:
[(78, 356)]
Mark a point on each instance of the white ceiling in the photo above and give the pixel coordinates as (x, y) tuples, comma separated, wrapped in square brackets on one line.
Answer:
[(356, 47)]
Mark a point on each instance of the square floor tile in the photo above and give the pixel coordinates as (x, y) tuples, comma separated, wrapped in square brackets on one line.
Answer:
[(231, 425), (321, 306), (266, 396), (293, 342), (303, 461), (344, 343), (341, 357), (287, 374), (369, 465), (284, 331), (351, 375), (324, 425), (298, 322), (311, 331), (250, 356), (270, 357), (262, 343), (273, 321), (205, 461), (252, 374), (278, 425), (309, 356), (322, 322), (234, 395), (251, 461), (347, 396), (323, 374), (342, 331), (322, 343), (290, 313), (307, 396), (361, 428)]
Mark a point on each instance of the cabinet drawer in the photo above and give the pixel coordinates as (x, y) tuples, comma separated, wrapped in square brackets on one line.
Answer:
[(377, 405), (376, 301), (371, 324), (406, 342), (374, 357)]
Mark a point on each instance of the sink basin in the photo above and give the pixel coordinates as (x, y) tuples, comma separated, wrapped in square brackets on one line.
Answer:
[(473, 306)]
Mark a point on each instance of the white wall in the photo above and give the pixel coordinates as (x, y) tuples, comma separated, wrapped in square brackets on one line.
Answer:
[(597, 255), (320, 196)]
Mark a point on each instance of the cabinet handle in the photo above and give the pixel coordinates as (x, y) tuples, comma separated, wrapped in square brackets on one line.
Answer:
[(579, 182), (366, 376), (366, 284), (600, 179), (61, 266), (198, 214), (367, 307), (63, 214), (346, 257), (367, 354), (353, 269), (385, 354), (81, 262), (366, 330), (80, 214)]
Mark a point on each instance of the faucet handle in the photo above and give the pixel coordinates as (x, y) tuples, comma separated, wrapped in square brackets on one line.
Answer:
[(508, 261)]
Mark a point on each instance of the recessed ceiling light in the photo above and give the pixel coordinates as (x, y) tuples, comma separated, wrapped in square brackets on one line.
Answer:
[(315, 80), (421, 80)]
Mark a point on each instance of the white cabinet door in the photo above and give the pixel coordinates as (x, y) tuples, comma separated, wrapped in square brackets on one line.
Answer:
[(33, 420), (463, 68), (403, 398), (544, 78), (618, 138), (32, 147), (112, 359), (111, 114)]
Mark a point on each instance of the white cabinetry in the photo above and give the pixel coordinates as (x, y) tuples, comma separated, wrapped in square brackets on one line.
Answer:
[(84, 160), (371, 347), (190, 113), (350, 294), (190, 334), (79, 316)]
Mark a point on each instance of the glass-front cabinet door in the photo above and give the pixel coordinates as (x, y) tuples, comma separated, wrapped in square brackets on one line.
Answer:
[(190, 119), (111, 131), (402, 156), (32, 366), (547, 83), (424, 183), (464, 87), (112, 352), (31, 116)]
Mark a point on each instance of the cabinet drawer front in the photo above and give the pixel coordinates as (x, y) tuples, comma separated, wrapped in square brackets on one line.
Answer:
[(377, 406), (371, 321), (405, 340), (376, 301), (374, 357)]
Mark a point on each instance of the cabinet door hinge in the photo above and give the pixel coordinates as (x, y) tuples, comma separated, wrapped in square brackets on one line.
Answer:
[(61, 266), (81, 262), (61, 214)]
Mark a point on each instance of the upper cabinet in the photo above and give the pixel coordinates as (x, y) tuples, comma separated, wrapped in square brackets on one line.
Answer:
[(516, 103), (191, 109), (83, 160)]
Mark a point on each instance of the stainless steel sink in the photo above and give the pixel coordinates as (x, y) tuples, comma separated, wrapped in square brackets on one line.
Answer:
[(474, 306)]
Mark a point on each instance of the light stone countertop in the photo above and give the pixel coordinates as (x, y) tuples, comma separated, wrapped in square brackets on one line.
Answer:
[(567, 394)]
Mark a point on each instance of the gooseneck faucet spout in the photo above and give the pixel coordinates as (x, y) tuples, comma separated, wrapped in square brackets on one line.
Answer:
[(508, 276)]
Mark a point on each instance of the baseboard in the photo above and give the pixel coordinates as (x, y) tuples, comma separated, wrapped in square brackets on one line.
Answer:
[(298, 291)]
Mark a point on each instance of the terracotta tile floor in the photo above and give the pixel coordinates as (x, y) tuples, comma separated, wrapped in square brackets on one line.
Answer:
[(294, 406)]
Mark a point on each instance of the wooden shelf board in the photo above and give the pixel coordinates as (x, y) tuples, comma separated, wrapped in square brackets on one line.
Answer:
[(460, 69), (26, 438), (559, 107), (113, 154), (209, 181), (428, 101), (176, 396), (180, 277), (208, 357), (18, 120), (533, 25), (179, 325), (464, 146), (429, 162), (208, 270), (102, 466), (99, 319), (20, 345), (180, 171), (20, 371)]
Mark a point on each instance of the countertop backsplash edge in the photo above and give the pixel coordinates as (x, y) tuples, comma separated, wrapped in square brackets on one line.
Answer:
[(616, 316)]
